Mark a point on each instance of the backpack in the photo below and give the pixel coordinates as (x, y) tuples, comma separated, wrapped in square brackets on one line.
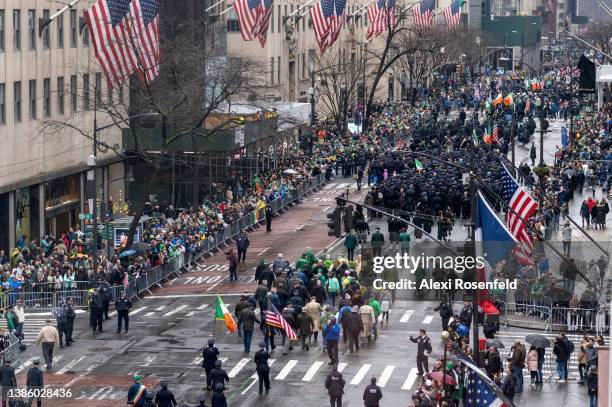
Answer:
[(570, 346)]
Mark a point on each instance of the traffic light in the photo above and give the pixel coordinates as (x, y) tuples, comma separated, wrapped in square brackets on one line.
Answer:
[(348, 218), (333, 223)]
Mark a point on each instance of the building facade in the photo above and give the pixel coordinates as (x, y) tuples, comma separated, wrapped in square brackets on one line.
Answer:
[(49, 85)]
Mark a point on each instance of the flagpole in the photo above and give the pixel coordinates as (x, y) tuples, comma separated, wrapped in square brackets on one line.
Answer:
[(475, 338), (215, 317), (42, 23)]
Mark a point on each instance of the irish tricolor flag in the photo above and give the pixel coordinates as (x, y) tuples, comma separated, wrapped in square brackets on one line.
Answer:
[(418, 165), (223, 314)]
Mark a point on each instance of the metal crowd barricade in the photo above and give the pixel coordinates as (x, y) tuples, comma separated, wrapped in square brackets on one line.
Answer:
[(575, 319), (11, 352), (80, 298), (521, 314)]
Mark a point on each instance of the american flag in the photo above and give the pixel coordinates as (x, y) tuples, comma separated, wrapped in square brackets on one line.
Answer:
[(376, 15), (423, 13), (336, 21), (495, 134), (248, 13), (266, 14), (390, 13), (522, 207), (480, 393), (274, 318), (320, 15), (452, 13), (125, 37)]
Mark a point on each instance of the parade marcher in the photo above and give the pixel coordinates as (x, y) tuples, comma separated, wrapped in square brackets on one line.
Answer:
[(262, 368), (96, 309), (70, 317), (123, 306), (377, 241), (368, 321), (49, 336), (269, 215), (19, 318), (232, 258), (209, 355), (354, 326), (306, 327), (218, 376), (218, 398), (242, 244), (331, 333), (106, 296), (334, 383), (8, 381), (314, 309), (35, 382), (446, 311), (248, 319), (241, 305), (350, 242), (164, 397), (372, 394), (423, 351), (532, 154), (61, 320), (137, 393)]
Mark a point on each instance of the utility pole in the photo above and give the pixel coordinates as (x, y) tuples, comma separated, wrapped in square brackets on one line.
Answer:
[(312, 97), (472, 225), (542, 131)]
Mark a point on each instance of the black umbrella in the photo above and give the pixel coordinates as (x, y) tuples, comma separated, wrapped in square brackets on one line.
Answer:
[(495, 342), (140, 248), (537, 340)]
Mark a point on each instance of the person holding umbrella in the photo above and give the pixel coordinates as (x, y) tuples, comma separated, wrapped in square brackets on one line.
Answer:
[(532, 364), (540, 342)]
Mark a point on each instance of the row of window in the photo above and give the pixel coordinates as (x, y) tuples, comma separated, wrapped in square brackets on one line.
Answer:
[(32, 30), (63, 91)]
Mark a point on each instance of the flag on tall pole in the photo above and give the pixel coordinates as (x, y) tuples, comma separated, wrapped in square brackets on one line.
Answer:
[(320, 15), (390, 14), (522, 206), (223, 314), (264, 21), (247, 12), (336, 21), (125, 37), (452, 13), (376, 16), (274, 318), (423, 13)]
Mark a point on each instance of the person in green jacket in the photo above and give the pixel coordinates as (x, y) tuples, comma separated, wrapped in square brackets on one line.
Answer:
[(350, 242), (10, 319), (404, 239), (373, 302)]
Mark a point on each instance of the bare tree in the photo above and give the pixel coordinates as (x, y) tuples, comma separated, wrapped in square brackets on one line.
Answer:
[(599, 33)]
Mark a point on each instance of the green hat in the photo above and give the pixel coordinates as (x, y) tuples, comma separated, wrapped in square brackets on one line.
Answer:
[(137, 378)]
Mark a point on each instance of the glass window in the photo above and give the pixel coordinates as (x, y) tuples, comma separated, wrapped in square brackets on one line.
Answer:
[(60, 30), (278, 69), (73, 93), (272, 21), (32, 98), (73, 28), (47, 97), (62, 191), (32, 29), (86, 91), (272, 69), (17, 100), (86, 36), (60, 95), (45, 34), (2, 105), (98, 88), (17, 30), (1, 30)]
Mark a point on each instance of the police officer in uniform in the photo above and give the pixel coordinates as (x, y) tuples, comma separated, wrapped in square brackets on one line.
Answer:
[(70, 317), (123, 305), (8, 380), (423, 350), (209, 354), (35, 381), (263, 370), (218, 376), (335, 387), (372, 394)]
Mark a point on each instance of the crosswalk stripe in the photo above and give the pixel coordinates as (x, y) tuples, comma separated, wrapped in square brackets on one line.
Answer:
[(255, 377), (27, 363), (329, 186), (70, 365), (341, 366), (222, 361), (361, 374), (136, 311), (410, 379), (385, 375), (203, 306), (242, 363), (190, 314), (197, 360), (407, 315), (160, 308), (312, 371), (428, 319), (177, 309), (149, 314), (343, 185), (286, 370)]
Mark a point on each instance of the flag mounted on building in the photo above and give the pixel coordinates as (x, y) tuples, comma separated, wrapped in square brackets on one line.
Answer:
[(390, 14), (254, 18), (125, 37), (274, 318), (377, 13), (522, 206), (423, 13), (223, 314), (336, 22), (264, 22), (321, 15), (452, 13)]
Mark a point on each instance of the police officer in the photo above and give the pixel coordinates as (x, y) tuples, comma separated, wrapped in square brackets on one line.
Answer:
[(263, 370), (218, 376), (269, 214), (70, 317), (8, 380), (372, 394), (209, 354), (95, 309), (423, 350), (123, 305), (35, 381), (335, 387), (62, 322), (106, 296)]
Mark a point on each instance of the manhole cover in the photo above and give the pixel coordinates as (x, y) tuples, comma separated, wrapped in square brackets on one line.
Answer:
[(101, 349)]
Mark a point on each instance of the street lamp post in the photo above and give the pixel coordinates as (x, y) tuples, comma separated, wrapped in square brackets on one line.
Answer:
[(312, 96), (444, 336)]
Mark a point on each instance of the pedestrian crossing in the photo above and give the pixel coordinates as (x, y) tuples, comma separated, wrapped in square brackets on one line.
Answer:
[(34, 322)]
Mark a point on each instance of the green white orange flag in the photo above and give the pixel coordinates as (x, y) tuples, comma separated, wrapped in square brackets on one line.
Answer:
[(418, 165), (222, 313)]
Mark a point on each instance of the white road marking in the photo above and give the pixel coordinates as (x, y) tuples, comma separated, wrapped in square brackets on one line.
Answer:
[(203, 306), (255, 377), (329, 186), (410, 379), (27, 363), (325, 209), (286, 370), (177, 309), (342, 366), (149, 314), (136, 311), (242, 363), (360, 374), (407, 315), (70, 365), (213, 286), (343, 185), (93, 396), (198, 360), (312, 371), (160, 308), (148, 360), (299, 228), (428, 319), (190, 314), (263, 251), (385, 375)]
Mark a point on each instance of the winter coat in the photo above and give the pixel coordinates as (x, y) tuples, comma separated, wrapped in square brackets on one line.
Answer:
[(561, 351), (518, 357), (335, 384), (353, 322), (331, 332), (314, 309), (248, 319), (306, 323), (532, 360), (368, 319)]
